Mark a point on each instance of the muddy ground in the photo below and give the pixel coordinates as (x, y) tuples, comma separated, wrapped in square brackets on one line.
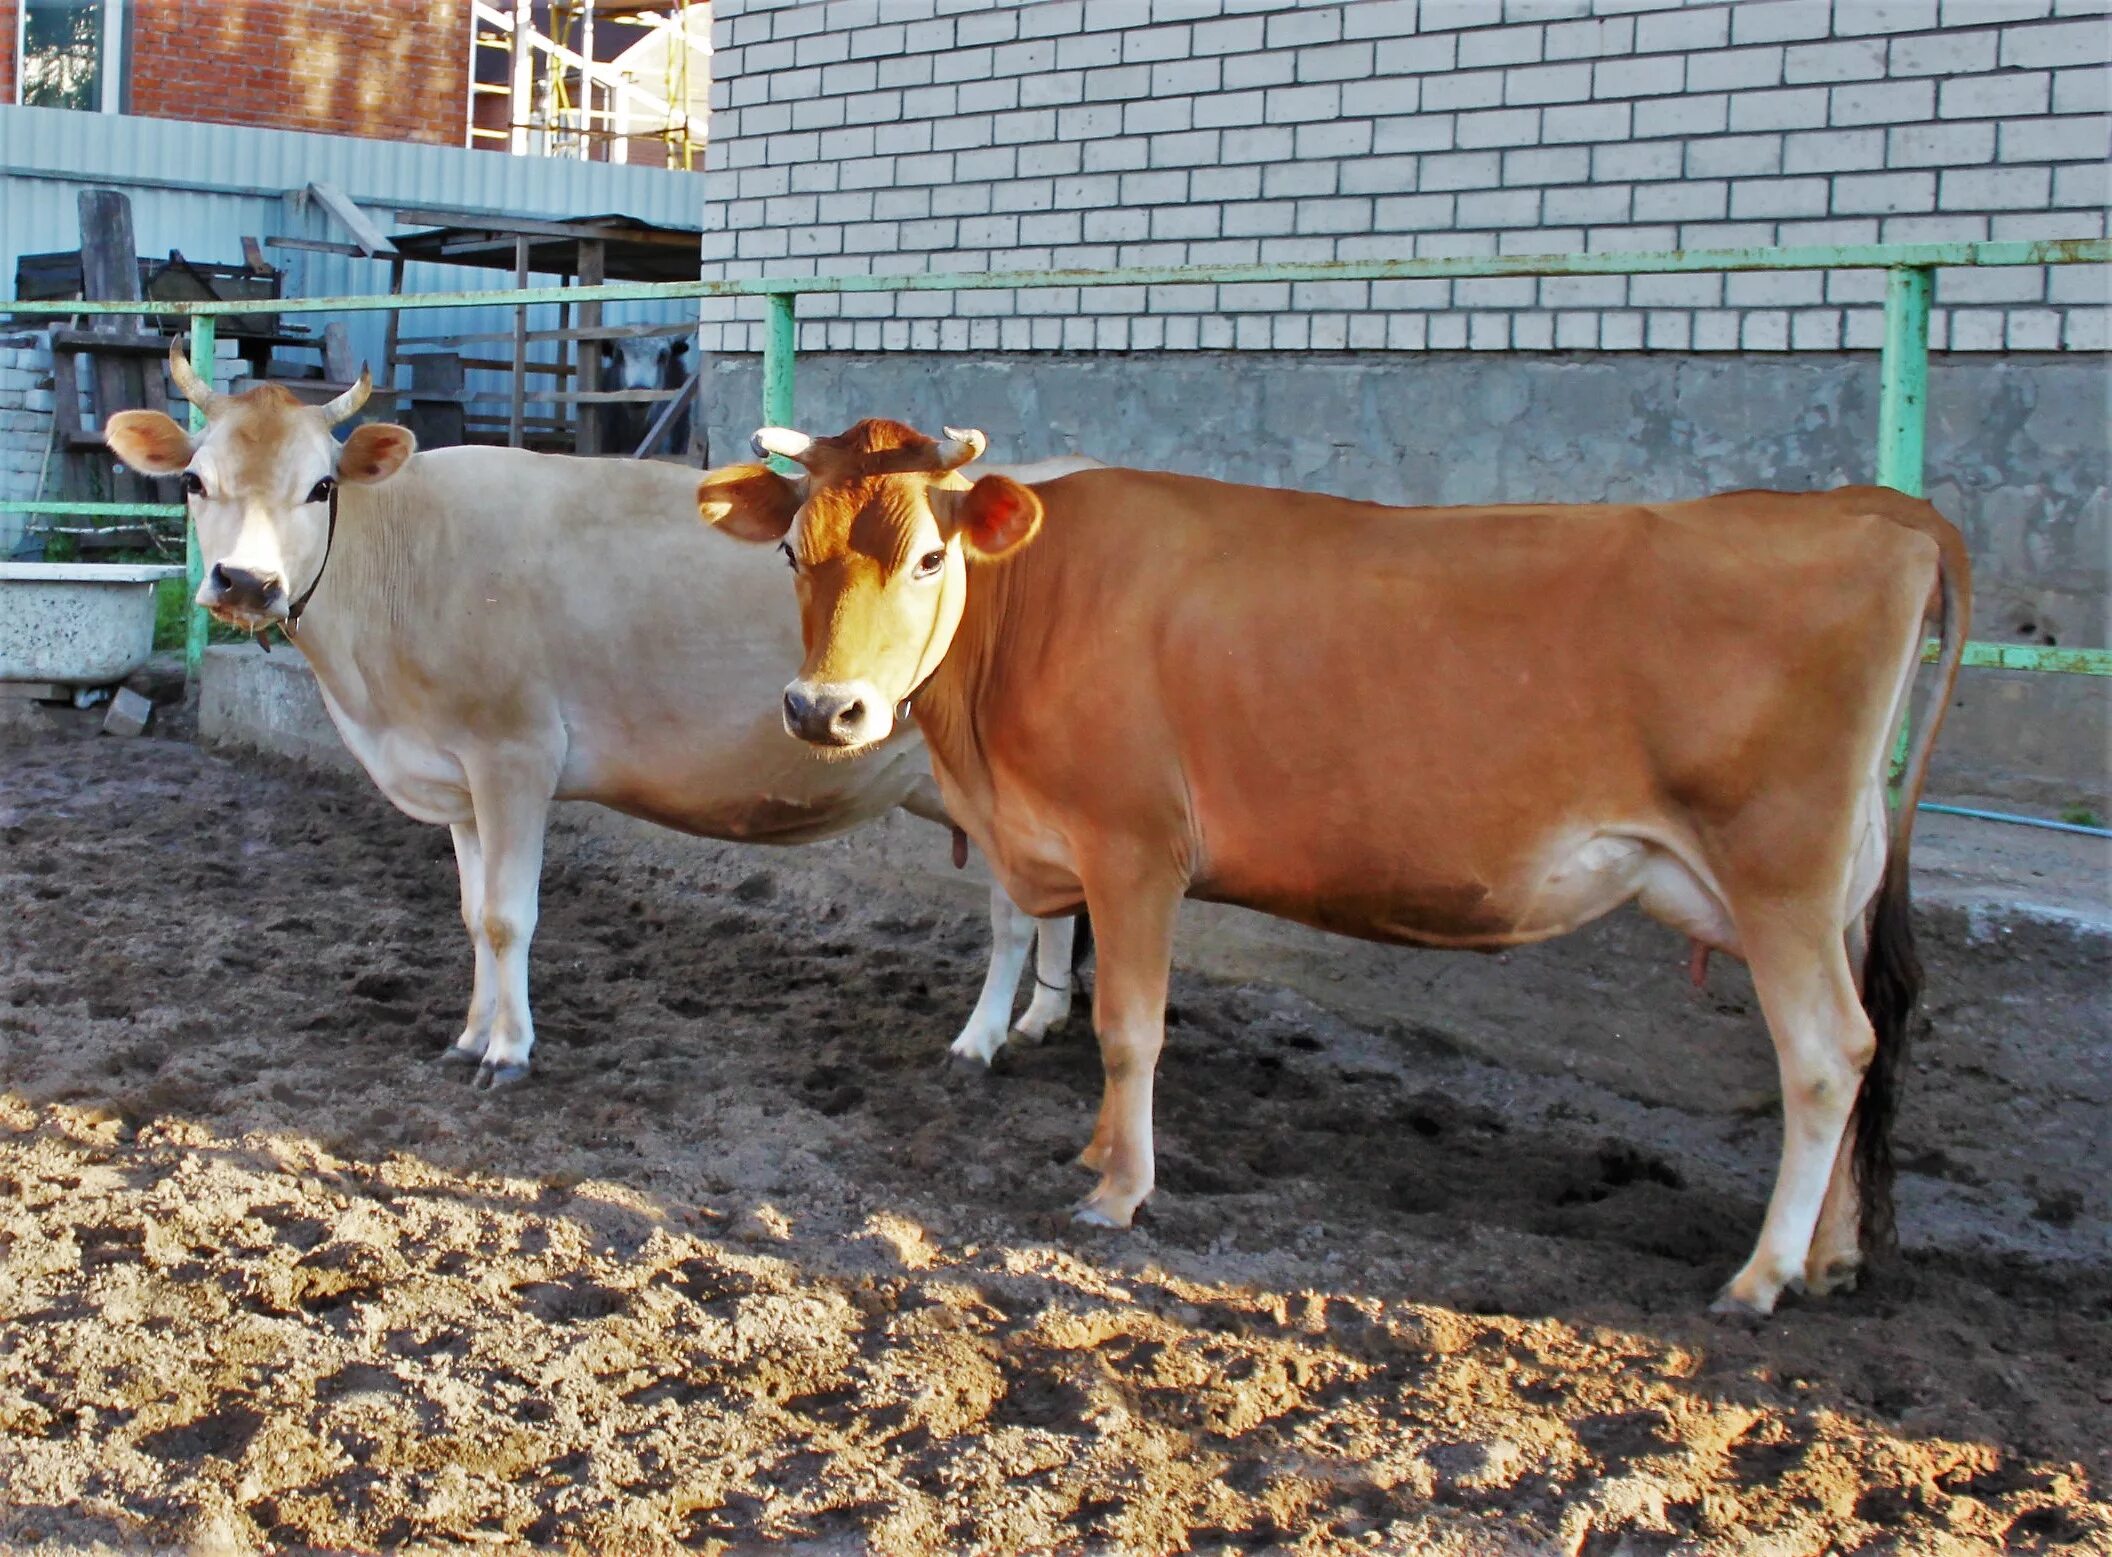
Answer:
[(746, 1265)]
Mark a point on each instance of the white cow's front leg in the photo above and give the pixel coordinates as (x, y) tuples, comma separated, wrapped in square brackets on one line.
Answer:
[(510, 823), (1051, 1005), (1011, 936), (483, 997)]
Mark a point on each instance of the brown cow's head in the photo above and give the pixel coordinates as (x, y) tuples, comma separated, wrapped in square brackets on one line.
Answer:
[(258, 481), (878, 530)]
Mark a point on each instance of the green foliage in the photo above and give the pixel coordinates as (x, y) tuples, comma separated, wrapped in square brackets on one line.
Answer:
[(2081, 816)]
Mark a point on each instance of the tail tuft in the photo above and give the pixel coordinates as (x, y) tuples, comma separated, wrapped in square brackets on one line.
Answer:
[(1891, 998)]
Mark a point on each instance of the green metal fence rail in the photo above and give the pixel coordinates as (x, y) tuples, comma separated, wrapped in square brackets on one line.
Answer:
[(1903, 371)]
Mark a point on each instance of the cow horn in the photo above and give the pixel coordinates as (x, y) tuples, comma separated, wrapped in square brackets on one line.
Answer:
[(347, 404), (195, 389), (959, 446), (781, 441)]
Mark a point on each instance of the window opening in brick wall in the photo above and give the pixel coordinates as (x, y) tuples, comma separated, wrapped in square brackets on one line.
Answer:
[(70, 54)]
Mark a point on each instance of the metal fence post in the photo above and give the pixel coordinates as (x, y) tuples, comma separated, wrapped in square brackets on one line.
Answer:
[(1903, 416), (780, 344), (204, 329), (1903, 394)]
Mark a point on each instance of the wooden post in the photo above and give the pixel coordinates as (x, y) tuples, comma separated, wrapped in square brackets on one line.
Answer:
[(593, 270), (514, 428), (392, 334), (110, 272)]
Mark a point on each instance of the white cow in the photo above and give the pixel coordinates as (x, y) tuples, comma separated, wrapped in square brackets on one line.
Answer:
[(493, 630)]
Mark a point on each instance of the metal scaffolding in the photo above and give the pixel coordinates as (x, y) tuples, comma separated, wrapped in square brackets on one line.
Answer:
[(593, 80)]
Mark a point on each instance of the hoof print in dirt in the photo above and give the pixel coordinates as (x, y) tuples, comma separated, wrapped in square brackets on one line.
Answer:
[(497, 1078)]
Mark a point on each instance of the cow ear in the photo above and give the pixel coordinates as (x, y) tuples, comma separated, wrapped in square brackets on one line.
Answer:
[(748, 502), (149, 442), (375, 452), (995, 516)]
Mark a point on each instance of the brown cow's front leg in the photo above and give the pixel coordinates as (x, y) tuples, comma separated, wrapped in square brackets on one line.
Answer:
[(1135, 927)]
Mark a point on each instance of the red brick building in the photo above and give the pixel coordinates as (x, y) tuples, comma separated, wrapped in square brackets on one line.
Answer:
[(394, 70)]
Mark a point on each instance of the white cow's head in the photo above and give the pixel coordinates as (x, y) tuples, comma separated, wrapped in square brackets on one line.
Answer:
[(259, 480)]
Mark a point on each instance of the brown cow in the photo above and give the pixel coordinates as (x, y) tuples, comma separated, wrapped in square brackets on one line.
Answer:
[(1470, 727)]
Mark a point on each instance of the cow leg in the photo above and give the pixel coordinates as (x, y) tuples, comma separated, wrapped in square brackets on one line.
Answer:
[(1011, 937), (511, 817), (1823, 1043), (1835, 1262), (1135, 927), (1051, 1005), (483, 997)]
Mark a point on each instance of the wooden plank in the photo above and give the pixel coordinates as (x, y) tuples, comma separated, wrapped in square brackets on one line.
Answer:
[(481, 221), (253, 256), (391, 335), (66, 399), (491, 364), (606, 332), (104, 340), (520, 345), (478, 245), (370, 238), (110, 271), (667, 414), (109, 255), (592, 270), (317, 246), (310, 391), (337, 354), (599, 397)]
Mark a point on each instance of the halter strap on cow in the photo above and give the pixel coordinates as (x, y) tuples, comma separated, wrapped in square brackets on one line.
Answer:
[(293, 612)]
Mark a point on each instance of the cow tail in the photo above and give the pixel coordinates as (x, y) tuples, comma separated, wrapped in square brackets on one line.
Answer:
[(1892, 972)]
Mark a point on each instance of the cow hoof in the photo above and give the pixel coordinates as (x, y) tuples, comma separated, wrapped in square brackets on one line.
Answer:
[(1732, 1306), (975, 1052), (497, 1077), (456, 1055), (1841, 1275), (1086, 1214)]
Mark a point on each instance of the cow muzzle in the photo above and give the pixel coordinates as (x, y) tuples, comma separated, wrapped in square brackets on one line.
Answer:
[(243, 597), (844, 715)]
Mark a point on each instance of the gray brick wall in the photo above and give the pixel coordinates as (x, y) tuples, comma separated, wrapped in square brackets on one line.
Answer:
[(889, 136)]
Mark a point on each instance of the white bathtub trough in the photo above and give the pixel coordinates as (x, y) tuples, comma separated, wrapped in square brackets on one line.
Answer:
[(80, 624)]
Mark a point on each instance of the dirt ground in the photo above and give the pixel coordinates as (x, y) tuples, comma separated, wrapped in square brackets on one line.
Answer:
[(746, 1265)]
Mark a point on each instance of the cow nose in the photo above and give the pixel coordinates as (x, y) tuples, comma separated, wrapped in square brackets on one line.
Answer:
[(242, 588), (825, 716)]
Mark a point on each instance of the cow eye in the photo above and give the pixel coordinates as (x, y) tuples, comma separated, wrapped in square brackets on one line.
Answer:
[(193, 484), (930, 563), (320, 493), (791, 561)]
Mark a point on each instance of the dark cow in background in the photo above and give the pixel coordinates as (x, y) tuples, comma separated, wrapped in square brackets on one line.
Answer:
[(645, 362)]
